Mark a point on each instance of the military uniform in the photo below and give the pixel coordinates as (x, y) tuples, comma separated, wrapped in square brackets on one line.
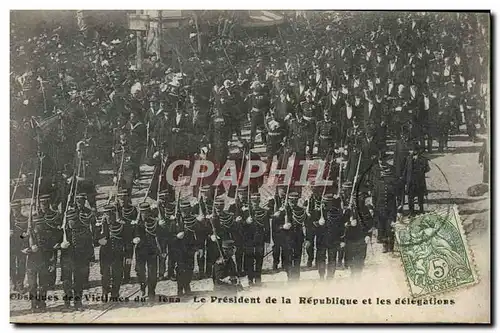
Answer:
[(357, 236), (310, 115), (414, 178), (219, 134), (278, 219), (53, 220), (276, 132), (18, 242), (146, 250), (385, 206), (77, 251), (41, 261), (224, 275), (185, 241), (326, 137), (166, 212), (260, 104), (328, 228), (127, 215), (113, 241), (256, 232)]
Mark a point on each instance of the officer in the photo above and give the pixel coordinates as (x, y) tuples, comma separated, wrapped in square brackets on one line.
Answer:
[(219, 133), (185, 241), (240, 208), (53, 221), (326, 137), (256, 233), (41, 261), (278, 219), (113, 241), (328, 228), (310, 115), (77, 251), (18, 242), (86, 216), (416, 167), (357, 236), (385, 205), (126, 215), (146, 250), (166, 213), (259, 106), (224, 276), (313, 212), (295, 223), (276, 133)]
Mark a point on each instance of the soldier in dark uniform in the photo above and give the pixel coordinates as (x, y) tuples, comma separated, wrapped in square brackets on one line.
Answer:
[(443, 124), (166, 213), (400, 154), (328, 227), (53, 220), (224, 275), (416, 167), (470, 113), (310, 115), (77, 252), (241, 211), (113, 242), (313, 212), (18, 242), (326, 137), (260, 104), (484, 161), (354, 143), (126, 215), (293, 227), (385, 205), (185, 240), (219, 135), (278, 219), (276, 133), (297, 141), (223, 222), (357, 235), (137, 140), (146, 250), (256, 233)]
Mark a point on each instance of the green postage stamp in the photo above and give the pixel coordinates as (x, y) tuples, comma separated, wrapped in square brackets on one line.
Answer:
[(435, 254)]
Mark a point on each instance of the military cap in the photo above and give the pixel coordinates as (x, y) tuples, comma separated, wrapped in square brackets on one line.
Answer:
[(45, 197), (108, 208), (122, 193), (71, 214), (227, 244), (15, 204), (293, 196), (184, 204), (144, 206)]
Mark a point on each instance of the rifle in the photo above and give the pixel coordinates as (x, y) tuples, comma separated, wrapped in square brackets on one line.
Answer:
[(73, 188), (17, 182), (240, 175), (351, 199), (32, 246), (286, 200), (321, 220), (41, 156), (213, 226)]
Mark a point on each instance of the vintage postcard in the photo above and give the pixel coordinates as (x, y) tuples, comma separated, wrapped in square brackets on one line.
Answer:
[(249, 166)]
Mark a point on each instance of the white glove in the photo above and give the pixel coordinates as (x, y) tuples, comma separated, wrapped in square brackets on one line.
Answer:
[(315, 150), (213, 237), (342, 244), (210, 216), (238, 219), (354, 222), (227, 279), (244, 208), (200, 253), (172, 217), (180, 235), (277, 214), (65, 245), (200, 217), (156, 154), (115, 179), (282, 209), (34, 248), (367, 239), (307, 244), (24, 234), (249, 220), (162, 222), (103, 241), (287, 226), (136, 240), (321, 221)]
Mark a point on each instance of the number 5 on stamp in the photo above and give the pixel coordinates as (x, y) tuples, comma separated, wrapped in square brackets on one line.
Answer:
[(435, 254)]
